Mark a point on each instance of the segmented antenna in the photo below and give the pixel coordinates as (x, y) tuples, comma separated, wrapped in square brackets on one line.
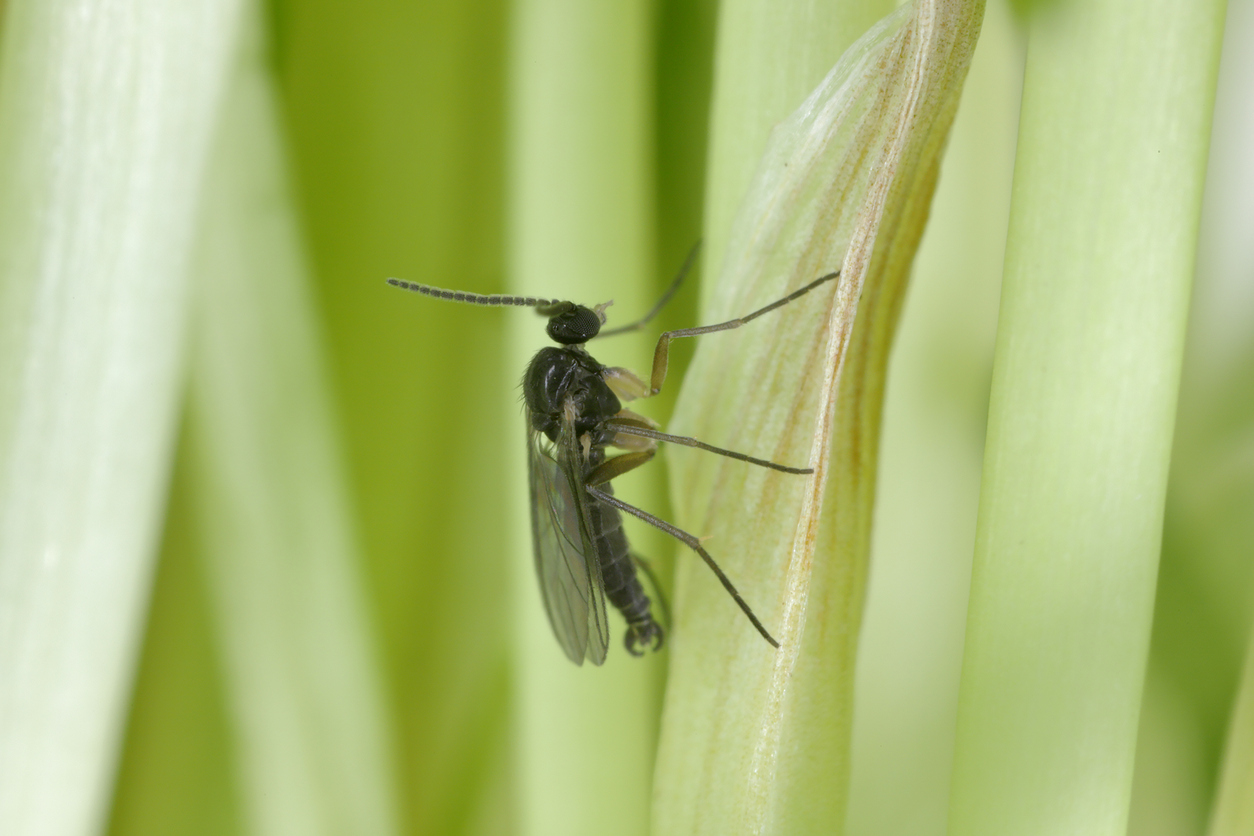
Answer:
[(473, 298)]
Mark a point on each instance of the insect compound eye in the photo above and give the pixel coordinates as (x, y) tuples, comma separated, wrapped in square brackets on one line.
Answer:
[(574, 326)]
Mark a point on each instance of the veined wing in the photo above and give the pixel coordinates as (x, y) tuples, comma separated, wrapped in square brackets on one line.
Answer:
[(565, 554)]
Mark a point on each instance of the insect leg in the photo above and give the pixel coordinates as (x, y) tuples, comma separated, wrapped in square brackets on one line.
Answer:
[(661, 353), (624, 383), (661, 303), (683, 537), (611, 469), (637, 429)]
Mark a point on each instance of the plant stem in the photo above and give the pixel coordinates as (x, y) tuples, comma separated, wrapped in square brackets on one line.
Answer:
[(580, 228), (756, 739), (1112, 152), (271, 510), (106, 115)]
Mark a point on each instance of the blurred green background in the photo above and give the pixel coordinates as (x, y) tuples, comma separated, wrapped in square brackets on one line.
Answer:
[(396, 121)]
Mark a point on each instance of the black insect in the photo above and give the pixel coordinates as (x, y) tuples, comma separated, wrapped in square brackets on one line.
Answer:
[(574, 415)]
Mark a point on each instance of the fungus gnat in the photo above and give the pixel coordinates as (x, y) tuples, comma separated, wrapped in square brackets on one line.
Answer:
[(574, 414)]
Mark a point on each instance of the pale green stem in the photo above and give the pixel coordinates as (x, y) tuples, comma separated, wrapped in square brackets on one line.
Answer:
[(1108, 181), (395, 126), (106, 113), (768, 58), (928, 486), (580, 220), (755, 740), (268, 486)]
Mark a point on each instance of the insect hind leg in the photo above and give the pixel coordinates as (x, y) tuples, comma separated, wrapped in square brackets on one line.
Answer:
[(692, 543)]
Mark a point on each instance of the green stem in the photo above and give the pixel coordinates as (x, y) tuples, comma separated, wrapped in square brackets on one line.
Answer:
[(271, 511), (1234, 804), (106, 115), (581, 219), (754, 739), (1112, 151), (928, 484)]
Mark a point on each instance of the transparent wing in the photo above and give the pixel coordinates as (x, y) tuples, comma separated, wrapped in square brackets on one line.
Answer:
[(566, 564)]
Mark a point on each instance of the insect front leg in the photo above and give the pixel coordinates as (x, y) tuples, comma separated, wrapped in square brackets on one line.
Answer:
[(661, 353)]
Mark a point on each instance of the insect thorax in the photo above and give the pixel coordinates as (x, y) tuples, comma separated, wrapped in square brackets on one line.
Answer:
[(558, 377)]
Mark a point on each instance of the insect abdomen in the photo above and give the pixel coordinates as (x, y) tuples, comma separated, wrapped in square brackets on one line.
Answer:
[(618, 573)]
